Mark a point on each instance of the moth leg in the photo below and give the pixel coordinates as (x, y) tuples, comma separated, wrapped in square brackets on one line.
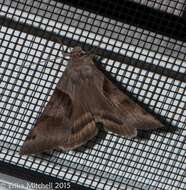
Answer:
[(113, 123)]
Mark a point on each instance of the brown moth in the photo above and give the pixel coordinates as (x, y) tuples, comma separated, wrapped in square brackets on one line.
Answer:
[(84, 97)]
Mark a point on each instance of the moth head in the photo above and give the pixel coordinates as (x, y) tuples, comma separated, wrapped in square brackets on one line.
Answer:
[(77, 53)]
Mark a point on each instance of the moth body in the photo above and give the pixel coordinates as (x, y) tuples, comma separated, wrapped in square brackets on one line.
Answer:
[(83, 98)]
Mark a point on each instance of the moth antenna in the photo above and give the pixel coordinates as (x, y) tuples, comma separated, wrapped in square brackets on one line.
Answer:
[(71, 48), (58, 57), (93, 53), (65, 54), (46, 61)]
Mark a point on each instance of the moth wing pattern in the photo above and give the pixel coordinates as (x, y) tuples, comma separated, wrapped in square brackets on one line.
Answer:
[(111, 116), (65, 122), (50, 129), (133, 114)]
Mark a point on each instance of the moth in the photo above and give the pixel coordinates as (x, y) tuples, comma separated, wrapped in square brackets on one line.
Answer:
[(83, 98)]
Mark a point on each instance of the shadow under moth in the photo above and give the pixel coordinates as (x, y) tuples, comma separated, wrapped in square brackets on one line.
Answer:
[(83, 98)]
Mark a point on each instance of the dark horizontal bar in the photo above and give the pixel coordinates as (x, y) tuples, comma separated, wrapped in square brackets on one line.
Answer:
[(103, 53), (137, 15), (184, 13), (35, 177)]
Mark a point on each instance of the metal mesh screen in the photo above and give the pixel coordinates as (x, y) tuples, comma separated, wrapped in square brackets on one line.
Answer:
[(145, 56)]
